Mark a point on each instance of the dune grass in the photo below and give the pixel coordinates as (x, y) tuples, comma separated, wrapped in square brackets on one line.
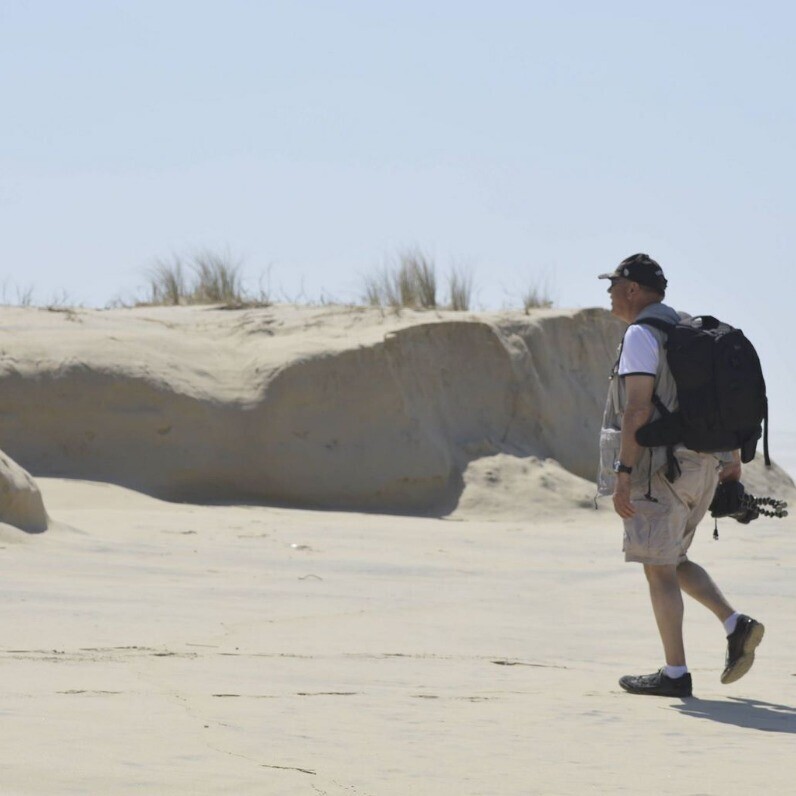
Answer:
[(409, 282), (460, 289), (22, 297), (536, 296), (208, 277), (167, 283)]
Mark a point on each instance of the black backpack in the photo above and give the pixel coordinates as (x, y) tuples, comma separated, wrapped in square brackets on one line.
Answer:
[(721, 391)]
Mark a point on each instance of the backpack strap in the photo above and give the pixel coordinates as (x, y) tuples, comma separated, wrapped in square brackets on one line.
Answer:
[(673, 469), (766, 457), (657, 323)]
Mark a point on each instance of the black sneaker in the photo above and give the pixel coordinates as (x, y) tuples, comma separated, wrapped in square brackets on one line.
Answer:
[(741, 645), (657, 684)]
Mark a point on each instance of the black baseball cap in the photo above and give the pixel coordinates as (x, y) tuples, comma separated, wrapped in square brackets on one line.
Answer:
[(640, 268)]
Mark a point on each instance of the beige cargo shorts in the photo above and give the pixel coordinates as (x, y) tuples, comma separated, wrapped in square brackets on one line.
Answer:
[(662, 530)]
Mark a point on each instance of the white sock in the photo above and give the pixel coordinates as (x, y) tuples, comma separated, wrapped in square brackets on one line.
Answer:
[(730, 622), (673, 672)]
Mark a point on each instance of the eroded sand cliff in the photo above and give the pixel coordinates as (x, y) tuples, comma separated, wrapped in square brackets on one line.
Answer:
[(332, 407)]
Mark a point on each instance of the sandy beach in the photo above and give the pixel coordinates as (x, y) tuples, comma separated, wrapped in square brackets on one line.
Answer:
[(470, 646)]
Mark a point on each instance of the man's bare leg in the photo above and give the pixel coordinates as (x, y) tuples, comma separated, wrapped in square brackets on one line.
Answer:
[(667, 605), (748, 633), (696, 583)]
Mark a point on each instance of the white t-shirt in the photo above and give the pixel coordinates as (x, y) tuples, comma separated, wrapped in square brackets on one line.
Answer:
[(640, 352)]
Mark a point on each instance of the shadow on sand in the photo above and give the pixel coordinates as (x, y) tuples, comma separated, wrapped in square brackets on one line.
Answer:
[(750, 713)]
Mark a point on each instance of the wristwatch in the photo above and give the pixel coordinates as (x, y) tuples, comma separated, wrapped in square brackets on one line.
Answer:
[(622, 468)]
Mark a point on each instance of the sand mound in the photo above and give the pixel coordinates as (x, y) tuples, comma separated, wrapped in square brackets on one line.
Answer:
[(764, 481), (506, 487), (21, 505), (318, 407)]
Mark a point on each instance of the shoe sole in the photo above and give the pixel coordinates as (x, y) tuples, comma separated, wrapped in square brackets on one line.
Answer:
[(744, 663), (658, 693)]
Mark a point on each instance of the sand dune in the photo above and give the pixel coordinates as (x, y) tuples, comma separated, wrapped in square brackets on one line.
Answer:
[(325, 407), (21, 504), (317, 407)]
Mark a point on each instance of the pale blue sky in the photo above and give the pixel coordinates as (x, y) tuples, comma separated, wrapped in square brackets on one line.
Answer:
[(527, 141)]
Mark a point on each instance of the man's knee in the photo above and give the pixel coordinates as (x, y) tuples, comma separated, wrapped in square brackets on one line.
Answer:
[(660, 573)]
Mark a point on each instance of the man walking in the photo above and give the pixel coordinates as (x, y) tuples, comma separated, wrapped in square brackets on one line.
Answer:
[(660, 515)]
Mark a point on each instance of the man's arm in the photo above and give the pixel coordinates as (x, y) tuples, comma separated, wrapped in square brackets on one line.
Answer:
[(638, 411), (731, 471)]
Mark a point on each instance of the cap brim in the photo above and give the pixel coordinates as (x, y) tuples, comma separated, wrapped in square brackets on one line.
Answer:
[(606, 276)]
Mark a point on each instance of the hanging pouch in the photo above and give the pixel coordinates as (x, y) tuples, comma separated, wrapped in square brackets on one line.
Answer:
[(610, 440), (666, 430)]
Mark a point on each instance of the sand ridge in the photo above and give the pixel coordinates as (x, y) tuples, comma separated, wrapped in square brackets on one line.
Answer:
[(321, 407)]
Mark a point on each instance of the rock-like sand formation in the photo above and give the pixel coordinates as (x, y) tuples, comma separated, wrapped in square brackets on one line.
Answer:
[(21, 505), (318, 407)]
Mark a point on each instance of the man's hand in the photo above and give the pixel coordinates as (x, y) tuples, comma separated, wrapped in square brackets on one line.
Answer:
[(622, 504)]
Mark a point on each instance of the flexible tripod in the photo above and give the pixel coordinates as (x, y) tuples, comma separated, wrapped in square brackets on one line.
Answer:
[(757, 505), (732, 500)]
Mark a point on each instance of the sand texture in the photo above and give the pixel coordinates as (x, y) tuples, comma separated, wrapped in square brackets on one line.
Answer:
[(180, 649), (156, 640)]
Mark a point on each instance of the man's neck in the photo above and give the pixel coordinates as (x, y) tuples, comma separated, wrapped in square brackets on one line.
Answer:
[(640, 309)]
